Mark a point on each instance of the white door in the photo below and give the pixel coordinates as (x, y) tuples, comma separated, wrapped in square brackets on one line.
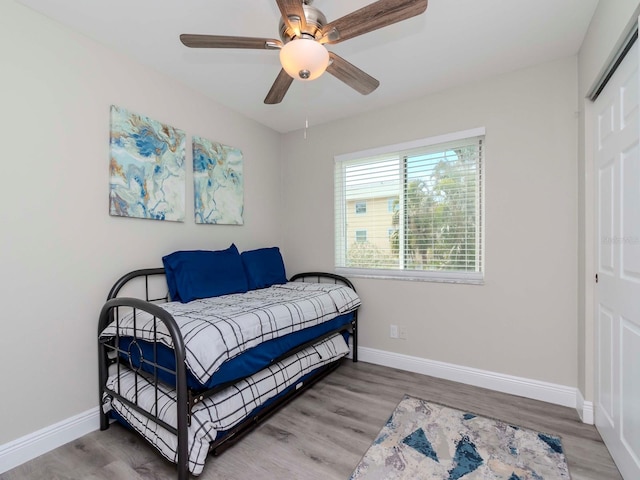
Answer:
[(617, 309)]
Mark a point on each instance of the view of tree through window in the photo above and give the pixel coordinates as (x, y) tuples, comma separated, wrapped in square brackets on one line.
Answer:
[(424, 210)]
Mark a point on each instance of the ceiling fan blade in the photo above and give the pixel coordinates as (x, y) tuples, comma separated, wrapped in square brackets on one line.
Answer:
[(292, 8), (372, 17), (279, 88), (224, 41), (351, 75)]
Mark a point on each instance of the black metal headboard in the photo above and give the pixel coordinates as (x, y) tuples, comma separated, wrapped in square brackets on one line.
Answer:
[(319, 276), (146, 273)]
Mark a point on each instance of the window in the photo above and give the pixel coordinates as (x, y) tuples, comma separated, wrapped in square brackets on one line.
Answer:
[(424, 204), (361, 208)]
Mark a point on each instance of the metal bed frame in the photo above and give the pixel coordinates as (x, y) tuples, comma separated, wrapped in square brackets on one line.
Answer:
[(111, 356)]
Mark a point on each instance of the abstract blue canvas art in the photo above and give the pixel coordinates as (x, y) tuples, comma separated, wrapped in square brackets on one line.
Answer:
[(218, 185), (147, 170)]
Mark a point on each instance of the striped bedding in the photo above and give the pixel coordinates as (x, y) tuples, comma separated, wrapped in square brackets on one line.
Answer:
[(220, 328), (223, 410)]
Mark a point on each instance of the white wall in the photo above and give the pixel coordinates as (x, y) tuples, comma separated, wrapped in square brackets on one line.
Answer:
[(60, 251), (522, 322), (608, 25)]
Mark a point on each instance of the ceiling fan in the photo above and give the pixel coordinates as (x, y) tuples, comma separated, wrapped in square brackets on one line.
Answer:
[(304, 31)]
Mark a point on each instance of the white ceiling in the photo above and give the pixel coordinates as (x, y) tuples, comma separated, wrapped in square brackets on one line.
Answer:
[(454, 42)]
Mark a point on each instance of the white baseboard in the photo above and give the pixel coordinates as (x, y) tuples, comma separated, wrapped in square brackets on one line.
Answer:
[(585, 409), (37, 443), (524, 387)]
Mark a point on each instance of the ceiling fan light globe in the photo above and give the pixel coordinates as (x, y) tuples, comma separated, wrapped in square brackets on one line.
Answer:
[(304, 59)]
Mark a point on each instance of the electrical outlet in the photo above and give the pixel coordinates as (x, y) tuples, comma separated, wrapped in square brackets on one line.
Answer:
[(393, 331), (402, 332)]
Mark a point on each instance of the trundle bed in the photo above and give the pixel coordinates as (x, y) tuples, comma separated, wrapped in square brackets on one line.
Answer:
[(194, 369)]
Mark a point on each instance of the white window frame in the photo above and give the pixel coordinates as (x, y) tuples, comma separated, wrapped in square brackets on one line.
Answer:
[(360, 231), (355, 206), (475, 278)]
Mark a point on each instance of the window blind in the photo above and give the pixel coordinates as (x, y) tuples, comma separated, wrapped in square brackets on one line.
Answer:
[(414, 212)]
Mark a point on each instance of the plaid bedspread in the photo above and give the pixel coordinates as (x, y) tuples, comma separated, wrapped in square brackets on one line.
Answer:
[(217, 329), (221, 411)]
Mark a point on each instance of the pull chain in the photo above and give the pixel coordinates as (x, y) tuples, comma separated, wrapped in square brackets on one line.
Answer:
[(306, 109)]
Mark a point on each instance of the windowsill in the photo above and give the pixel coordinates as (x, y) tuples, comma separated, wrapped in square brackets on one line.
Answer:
[(435, 277)]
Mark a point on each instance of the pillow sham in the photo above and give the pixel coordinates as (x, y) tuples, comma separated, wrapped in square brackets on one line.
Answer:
[(193, 274), (264, 267)]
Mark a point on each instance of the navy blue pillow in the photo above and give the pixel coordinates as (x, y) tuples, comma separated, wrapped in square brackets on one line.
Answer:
[(264, 267), (203, 273)]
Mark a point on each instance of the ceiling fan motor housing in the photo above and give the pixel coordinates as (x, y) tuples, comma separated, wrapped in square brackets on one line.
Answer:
[(315, 20)]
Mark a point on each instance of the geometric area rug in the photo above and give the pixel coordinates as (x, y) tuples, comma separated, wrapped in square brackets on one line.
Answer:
[(426, 440)]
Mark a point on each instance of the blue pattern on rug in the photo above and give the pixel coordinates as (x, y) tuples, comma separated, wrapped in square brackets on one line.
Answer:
[(380, 439), (553, 442), (466, 460), (419, 441), (428, 441)]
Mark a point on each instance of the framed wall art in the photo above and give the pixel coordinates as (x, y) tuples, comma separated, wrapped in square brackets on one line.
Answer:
[(218, 184), (147, 168)]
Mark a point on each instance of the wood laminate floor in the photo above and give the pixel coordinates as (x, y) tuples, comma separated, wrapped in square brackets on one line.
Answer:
[(322, 434)]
